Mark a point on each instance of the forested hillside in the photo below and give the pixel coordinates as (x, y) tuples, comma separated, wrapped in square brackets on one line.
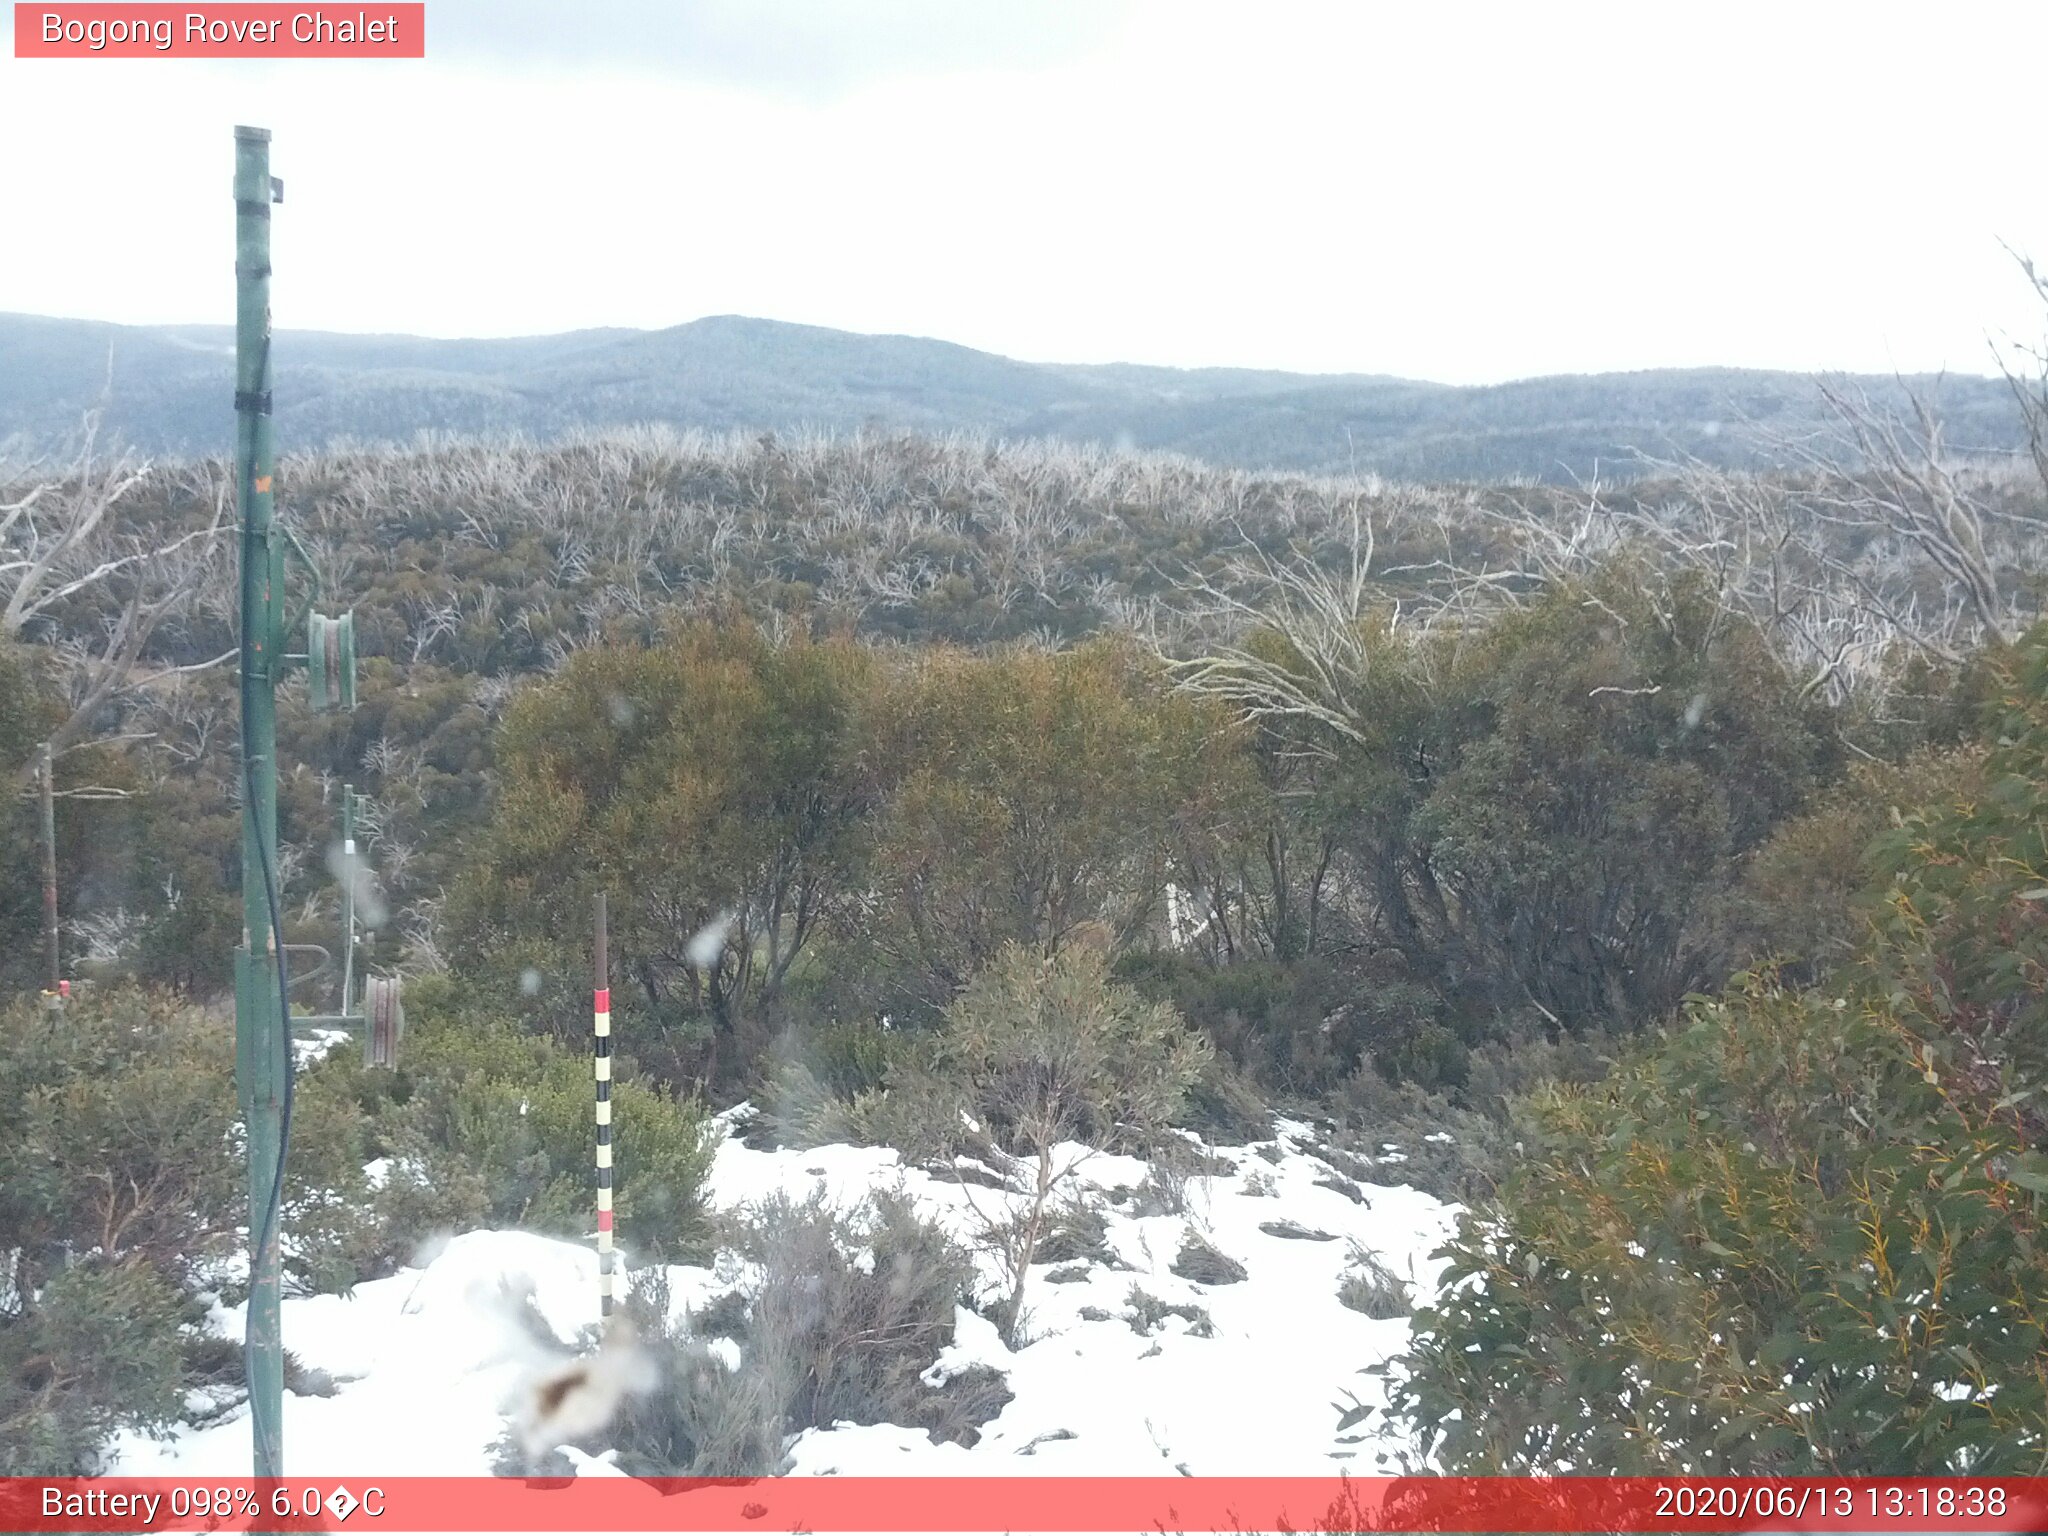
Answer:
[(166, 384), (1653, 869)]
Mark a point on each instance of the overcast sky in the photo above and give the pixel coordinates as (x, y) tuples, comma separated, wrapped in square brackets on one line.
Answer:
[(1462, 192)]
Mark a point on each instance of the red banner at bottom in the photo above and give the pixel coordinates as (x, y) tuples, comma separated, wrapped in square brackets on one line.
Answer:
[(973, 1504)]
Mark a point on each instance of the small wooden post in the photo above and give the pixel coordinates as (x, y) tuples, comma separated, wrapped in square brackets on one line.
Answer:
[(601, 1012)]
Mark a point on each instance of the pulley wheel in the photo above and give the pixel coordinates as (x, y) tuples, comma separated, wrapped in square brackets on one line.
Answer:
[(385, 1015)]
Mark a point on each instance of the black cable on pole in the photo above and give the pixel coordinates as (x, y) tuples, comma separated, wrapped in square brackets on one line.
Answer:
[(273, 1210), (291, 1068)]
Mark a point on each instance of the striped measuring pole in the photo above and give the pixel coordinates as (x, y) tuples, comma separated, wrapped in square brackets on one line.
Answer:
[(601, 1014)]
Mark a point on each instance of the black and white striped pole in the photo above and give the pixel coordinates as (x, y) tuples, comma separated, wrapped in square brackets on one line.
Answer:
[(601, 1014)]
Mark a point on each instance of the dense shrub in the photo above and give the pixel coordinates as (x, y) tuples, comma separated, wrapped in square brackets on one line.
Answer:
[(718, 786), (1297, 1026), (1037, 795), (1806, 898), (845, 1312), (1765, 1246), (816, 1075), (1591, 770), (849, 1057), (101, 1344), (1226, 1106), (1445, 1149), (122, 1139), (100, 887), (490, 1125), (1800, 1231), (122, 1185)]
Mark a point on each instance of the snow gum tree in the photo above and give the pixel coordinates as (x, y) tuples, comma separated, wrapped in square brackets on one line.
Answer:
[(712, 784), (1039, 795)]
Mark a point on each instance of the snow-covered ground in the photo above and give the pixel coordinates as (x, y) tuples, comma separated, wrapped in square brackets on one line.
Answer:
[(431, 1364)]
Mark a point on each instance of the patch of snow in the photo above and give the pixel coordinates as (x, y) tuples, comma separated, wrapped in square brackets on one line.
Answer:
[(315, 1045), (975, 1343), (435, 1363)]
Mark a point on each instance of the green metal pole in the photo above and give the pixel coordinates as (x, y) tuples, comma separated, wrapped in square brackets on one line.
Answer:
[(260, 1046)]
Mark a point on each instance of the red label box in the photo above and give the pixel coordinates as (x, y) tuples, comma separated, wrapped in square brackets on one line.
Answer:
[(216, 31)]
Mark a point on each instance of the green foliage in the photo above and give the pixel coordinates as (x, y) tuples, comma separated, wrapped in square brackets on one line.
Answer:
[(338, 1233), (1300, 1027), (1254, 865), (1037, 799), (1595, 765), (1963, 939), (1225, 1106), (1037, 1052), (1801, 1231), (818, 1076), (122, 1134), (128, 1133), (1535, 821), (1764, 1246), (850, 1057), (1553, 825), (121, 1182), (125, 1148), (1539, 816), (712, 783), (1308, 1028), (1045, 1051), (95, 838), (101, 1345), (490, 1125), (473, 568), (917, 1113), (28, 709), (1805, 898)]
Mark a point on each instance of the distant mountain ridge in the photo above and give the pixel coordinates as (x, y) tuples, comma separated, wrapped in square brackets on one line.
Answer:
[(171, 386)]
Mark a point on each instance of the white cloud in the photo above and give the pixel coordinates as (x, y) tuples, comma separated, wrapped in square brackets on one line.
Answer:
[(1460, 192)]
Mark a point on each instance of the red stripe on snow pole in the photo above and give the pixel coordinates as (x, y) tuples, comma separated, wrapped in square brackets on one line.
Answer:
[(604, 1000), (604, 1222)]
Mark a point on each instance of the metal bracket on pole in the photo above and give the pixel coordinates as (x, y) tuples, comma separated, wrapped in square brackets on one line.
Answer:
[(380, 1019)]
